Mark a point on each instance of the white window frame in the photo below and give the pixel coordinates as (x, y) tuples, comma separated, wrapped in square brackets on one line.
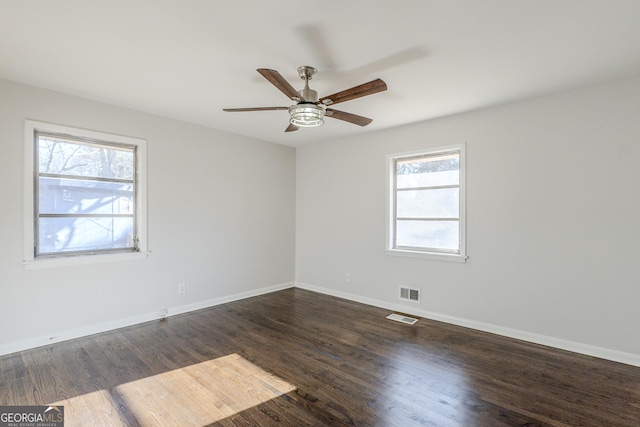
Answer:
[(29, 259), (391, 194)]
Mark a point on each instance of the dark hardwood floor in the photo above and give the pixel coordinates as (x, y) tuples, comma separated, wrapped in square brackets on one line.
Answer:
[(295, 358)]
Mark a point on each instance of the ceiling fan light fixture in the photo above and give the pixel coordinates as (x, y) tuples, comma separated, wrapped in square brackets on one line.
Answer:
[(306, 115)]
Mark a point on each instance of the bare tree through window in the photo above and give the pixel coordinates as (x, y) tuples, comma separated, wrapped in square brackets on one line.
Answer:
[(85, 195)]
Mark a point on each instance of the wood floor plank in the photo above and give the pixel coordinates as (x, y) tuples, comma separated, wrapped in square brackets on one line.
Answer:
[(296, 358)]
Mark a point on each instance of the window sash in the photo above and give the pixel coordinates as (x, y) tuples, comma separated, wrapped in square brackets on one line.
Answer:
[(432, 238), (95, 247), (397, 220)]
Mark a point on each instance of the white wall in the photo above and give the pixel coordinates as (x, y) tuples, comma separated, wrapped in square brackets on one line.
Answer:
[(553, 208), (221, 219)]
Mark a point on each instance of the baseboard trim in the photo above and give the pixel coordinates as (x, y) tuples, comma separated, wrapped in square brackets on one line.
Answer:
[(226, 299), (133, 320), (573, 346)]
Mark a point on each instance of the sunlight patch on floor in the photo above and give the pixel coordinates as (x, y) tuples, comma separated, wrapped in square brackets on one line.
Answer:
[(91, 409), (195, 395)]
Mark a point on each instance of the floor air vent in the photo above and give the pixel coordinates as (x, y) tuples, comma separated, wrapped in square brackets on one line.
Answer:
[(409, 294), (402, 318)]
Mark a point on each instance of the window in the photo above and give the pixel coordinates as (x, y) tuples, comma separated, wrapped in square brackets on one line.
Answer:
[(86, 193), (426, 204)]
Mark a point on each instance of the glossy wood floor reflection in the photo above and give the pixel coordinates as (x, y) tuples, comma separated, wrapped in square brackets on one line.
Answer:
[(296, 358)]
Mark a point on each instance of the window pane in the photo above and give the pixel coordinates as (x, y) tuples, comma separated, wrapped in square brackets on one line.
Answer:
[(436, 203), (63, 196), (57, 155), (428, 171), (443, 235), (84, 234)]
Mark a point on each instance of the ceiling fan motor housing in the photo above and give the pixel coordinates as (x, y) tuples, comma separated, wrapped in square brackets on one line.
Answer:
[(309, 95)]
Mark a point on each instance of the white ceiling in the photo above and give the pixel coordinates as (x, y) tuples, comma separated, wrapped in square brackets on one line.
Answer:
[(187, 59)]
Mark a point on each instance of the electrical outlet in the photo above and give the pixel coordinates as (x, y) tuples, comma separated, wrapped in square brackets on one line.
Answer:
[(182, 288), (162, 313), (347, 277)]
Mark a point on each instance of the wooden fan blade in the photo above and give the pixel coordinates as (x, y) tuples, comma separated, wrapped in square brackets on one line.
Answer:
[(347, 117), (291, 128), (278, 81), (236, 110), (364, 89)]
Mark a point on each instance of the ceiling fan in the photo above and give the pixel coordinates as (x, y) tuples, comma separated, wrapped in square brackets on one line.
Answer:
[(308, 110)]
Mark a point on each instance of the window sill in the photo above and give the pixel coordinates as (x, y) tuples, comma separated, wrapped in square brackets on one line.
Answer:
[(38, 264), (427, 255)]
